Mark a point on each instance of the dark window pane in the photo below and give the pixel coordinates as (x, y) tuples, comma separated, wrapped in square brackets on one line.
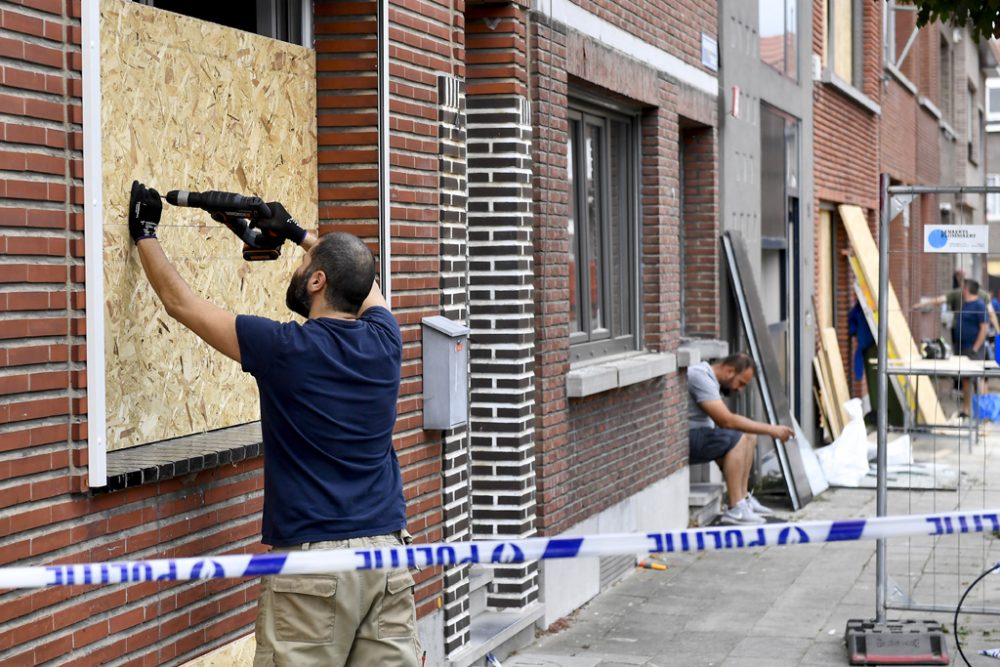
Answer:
[(595, 260), (993, 101), (574, 194), (602, 218), (618, 305), (221, 13)]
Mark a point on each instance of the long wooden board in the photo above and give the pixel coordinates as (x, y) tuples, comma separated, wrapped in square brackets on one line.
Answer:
[(901, 343), (769, 379), (823, 400), (837, 378)]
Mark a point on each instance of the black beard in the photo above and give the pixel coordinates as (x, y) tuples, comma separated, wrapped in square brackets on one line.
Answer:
[(726, 391), (297, 296)]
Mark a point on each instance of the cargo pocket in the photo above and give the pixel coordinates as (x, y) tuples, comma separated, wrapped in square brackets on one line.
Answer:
[(303, 608), (398, 615)]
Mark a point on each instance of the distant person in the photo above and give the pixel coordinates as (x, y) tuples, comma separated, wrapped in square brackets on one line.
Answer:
[(969, 335), (865, 366), (716, 434), (953, 300)]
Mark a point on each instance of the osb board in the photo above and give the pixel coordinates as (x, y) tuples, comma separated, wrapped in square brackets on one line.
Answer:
[(837, 378), (194, 106), (901, 343), (823, 400), (237, 653)]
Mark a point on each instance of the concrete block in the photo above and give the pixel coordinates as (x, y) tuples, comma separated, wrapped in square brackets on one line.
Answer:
[(590, 380)]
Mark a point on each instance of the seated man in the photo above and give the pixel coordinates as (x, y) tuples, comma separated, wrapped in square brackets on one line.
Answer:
[(716, 434)]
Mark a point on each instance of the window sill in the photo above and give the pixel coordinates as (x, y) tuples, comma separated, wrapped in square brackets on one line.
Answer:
[(160, 461), (949, 131), (617, 372), (849, 91), (931, 108), (901, 78), (696, 350)]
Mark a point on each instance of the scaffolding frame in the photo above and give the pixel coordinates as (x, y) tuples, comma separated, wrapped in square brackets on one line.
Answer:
[(887, 193)]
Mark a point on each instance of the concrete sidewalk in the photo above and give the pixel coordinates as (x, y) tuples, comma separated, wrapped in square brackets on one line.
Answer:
[(788, 606)]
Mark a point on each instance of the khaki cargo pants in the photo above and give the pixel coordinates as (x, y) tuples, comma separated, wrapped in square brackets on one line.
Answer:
[(349, 619)]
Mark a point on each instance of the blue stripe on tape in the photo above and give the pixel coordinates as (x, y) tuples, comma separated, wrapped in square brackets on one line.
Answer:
[(842, 531), (563, 548), (262, 564)]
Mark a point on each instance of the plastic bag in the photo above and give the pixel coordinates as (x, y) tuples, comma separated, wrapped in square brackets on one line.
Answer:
[(986, 406), (845, 460)]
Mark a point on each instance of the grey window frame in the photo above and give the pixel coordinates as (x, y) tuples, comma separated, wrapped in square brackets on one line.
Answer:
[(585, 344), (857, 41), (992, 111), (790, 66)]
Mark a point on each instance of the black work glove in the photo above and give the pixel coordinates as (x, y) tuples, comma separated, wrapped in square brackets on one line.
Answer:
[(281, 223), (144, 212)]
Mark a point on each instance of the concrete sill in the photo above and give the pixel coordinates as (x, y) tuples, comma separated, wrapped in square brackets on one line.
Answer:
[(616, 372), (159, 461), (492, 629), (695, 350)]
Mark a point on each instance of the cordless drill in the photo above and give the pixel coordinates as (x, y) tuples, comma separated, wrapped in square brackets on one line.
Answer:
[(237, 212)]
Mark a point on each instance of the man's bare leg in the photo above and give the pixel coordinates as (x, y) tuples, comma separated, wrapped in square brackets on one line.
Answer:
[(736, 468)]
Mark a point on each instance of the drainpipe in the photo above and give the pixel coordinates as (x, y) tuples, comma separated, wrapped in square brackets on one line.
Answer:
[(384, 208), (93, 212)]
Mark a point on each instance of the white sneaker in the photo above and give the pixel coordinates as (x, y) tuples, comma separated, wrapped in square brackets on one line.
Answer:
[(741, 515), (758, 508)]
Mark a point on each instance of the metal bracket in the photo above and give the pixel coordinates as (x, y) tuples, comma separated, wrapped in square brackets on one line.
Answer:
[(897, 203)]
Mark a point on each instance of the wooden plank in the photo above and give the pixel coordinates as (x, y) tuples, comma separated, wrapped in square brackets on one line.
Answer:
[(901, 343), (837, 377), (823, 400), (822, 362), (900, 384), (769, 379)]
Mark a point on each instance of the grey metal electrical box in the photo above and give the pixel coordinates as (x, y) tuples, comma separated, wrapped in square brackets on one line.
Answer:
[(446, 373)]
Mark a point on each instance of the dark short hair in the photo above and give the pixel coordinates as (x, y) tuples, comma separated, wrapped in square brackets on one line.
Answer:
[(349, 267), (740, 361), (972, 286)]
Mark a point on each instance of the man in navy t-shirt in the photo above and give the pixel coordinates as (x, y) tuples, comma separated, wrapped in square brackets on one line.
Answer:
[(969, 334), (328, 391)]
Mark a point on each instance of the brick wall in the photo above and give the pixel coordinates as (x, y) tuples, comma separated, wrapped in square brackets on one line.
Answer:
[(675, 26), (699, 153), (42, 344), (548, 82), (846, 161), (347, 117), (43, 428), (910, 153), (583, 442)]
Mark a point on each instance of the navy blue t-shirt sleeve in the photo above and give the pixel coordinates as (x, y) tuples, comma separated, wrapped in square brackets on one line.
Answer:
[(258, 339), (383, 320)]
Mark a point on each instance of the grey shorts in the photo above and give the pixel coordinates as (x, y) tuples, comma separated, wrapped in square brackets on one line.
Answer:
[(711, 444), (971, 354)]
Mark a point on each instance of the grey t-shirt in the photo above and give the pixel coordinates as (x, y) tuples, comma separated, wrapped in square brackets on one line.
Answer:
[(702, 386)]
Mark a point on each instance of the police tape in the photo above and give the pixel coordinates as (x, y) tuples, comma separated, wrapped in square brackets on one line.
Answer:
[(499, 552)]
